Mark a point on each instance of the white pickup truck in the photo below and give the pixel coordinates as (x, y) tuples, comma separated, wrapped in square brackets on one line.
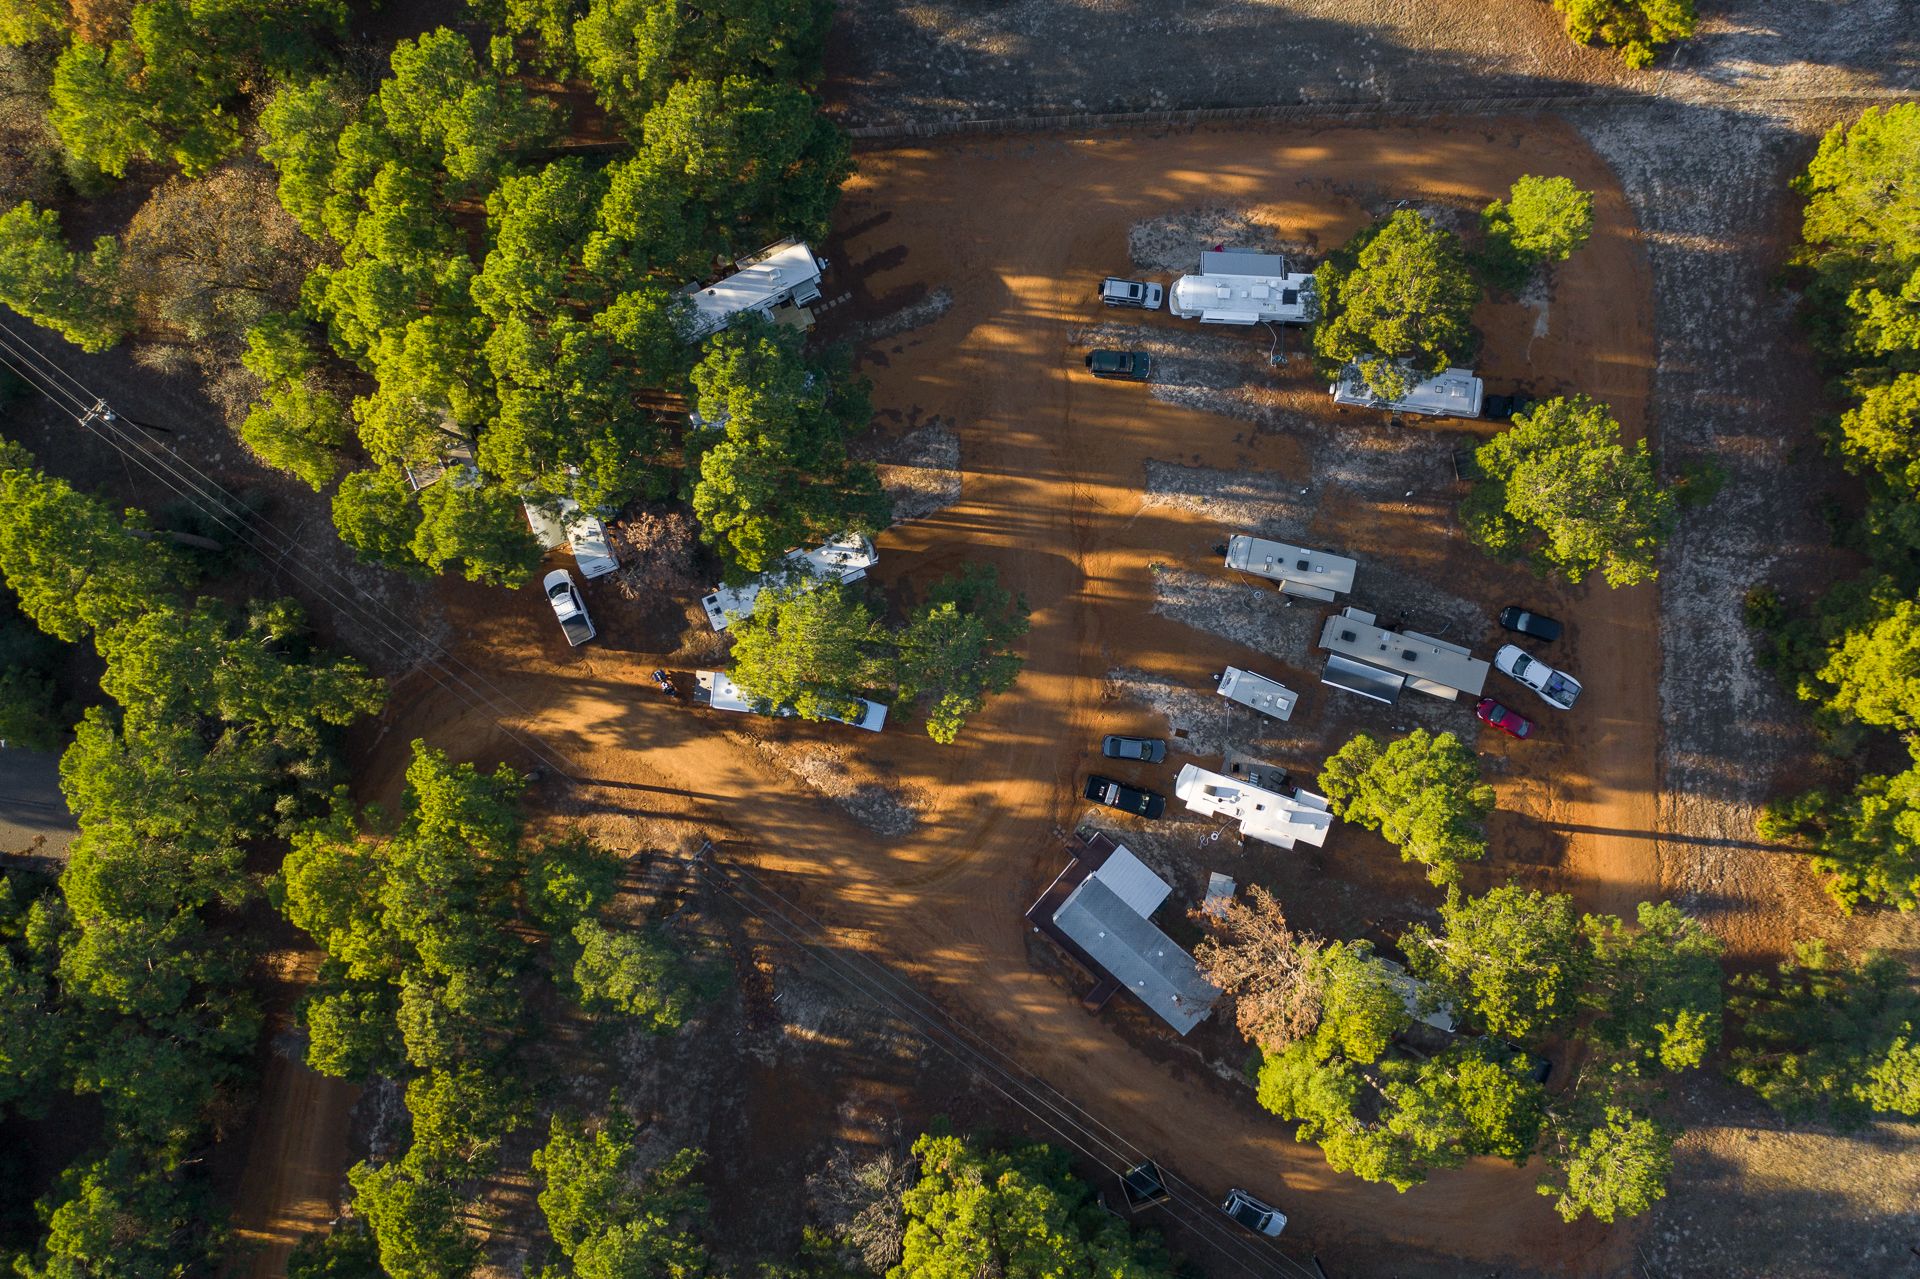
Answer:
[(569, 607)]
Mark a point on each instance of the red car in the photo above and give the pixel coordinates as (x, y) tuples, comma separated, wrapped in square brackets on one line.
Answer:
[(1509, 722)]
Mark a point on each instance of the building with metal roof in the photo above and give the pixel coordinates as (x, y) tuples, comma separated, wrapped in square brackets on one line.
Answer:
[(1312, 574), (1269, 816), (1448, 393), (1140, 958), (1268, 696), (1235, 287), (1430, 665), (784, 275)]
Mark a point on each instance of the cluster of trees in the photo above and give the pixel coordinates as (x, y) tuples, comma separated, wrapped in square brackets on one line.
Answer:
[(1561, 488), (815, 649), (1423, 792), (1516, 970), (974, 1208), (1855, 654), (124, 981), (1637, 28), (429, 934), (532, 355)]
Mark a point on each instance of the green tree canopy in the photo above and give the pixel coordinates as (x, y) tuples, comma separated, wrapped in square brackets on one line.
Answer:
[(607, 1222), (1657, 989), (74, 565), (1019, 1214), (55, 287), (1404, 300), (1515, 959), (1560, 485), (814, 648), (1866, 840), (1543, 220), (1826, 1038), (1637, 28), (956, 649), (641, 975), (1859, 227), (1616, 1167), (1422, 792)]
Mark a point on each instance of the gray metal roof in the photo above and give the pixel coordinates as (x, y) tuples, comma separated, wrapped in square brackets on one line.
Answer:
[(1132, 881), (1358, 677), (1137, 955), (1431, 665)]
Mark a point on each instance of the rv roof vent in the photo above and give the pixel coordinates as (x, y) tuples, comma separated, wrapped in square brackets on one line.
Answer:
[(1290, 297), (1303, 563), (1348, 636), (1409, 655)]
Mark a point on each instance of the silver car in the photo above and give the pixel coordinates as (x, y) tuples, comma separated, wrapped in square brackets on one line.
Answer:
[(1258, 1217)]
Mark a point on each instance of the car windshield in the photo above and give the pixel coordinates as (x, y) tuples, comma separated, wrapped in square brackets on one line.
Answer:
[(1561, 686), (1520, 664)]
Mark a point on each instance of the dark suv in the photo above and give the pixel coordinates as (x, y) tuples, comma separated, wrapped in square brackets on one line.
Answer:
[(1128, 799), (1526, 622), (1129, 366)]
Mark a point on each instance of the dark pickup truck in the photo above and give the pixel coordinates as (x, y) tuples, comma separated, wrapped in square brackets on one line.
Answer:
[(1128, 799)]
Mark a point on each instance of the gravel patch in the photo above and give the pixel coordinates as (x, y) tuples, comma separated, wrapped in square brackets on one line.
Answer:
[(1171, 243), (885, 810), (1201, 722), (912, 316), (921, 470), (1250, 613), (1257, 502)]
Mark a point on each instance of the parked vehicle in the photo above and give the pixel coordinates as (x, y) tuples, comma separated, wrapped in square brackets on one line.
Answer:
[(1150, 749), (1253, 1214), (1504, 408), (1529, 623), (664, 682), (1130, 366), (1555, 687), (1128, 799), (569, 607), (1495, 715), (1115, 291)]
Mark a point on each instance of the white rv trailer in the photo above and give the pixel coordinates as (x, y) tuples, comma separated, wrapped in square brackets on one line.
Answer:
[(1311, 574), (1431, 665), (1268, 696), (1448, 393), (783, 274), (723, 694), (845, 559), (1244, 288), (1268, 816)]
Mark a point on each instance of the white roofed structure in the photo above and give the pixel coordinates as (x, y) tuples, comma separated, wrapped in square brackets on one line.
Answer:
[(721, 693), (1448, 393), (1433, 666), (845, 559), (1268, 696), (1268, 816), (1312, 574), (785, 274), (1234, 287), (1132, 882)]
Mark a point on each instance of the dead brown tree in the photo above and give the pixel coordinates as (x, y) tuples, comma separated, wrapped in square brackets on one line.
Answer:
[(1252, 954)]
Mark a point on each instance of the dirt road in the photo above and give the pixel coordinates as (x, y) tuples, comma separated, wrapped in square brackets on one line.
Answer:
[(1020, 232)]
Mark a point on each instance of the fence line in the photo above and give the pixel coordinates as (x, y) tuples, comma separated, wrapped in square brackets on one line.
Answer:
[(1381, 108)]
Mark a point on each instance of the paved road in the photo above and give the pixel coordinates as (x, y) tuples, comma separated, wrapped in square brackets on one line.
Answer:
[(33, 816)]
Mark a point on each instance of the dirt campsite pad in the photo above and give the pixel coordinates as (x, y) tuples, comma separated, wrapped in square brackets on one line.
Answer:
[(1101, 503)]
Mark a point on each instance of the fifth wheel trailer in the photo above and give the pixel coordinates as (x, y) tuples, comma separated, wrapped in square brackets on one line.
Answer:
[(1448, 393)]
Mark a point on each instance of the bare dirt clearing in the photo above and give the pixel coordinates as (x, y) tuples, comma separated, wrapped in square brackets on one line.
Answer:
[(1055, 494)]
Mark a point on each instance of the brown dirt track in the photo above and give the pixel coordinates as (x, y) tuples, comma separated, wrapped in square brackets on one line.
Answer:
[(1021, 231)]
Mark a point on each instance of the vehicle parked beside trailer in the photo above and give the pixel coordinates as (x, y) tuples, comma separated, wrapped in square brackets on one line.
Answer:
[(1128, 799), (1556, 688), (1150, 749), (1533, 625), (1125, 366), (1115, 291), (568, 607), (1494, 715)]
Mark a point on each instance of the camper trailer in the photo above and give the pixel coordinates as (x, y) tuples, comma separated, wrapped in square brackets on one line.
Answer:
[(1448, 393), (780, 282), (845, 559), (1244, 288)]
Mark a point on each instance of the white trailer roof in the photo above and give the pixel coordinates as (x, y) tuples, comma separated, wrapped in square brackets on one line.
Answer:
[(1243, 288), (1302, 818), (1284, 562), (1268, 696), (725, 695), (1448, 393), (1431, 665), (1132, 882), (845, 559), (783, 272)]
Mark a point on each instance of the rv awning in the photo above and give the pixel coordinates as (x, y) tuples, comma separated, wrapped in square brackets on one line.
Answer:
[(1367, 681)]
